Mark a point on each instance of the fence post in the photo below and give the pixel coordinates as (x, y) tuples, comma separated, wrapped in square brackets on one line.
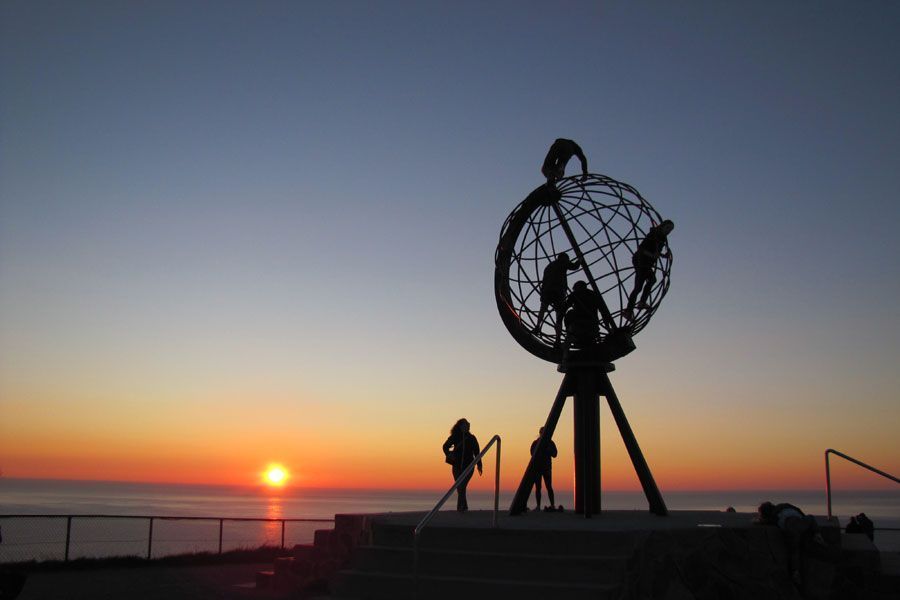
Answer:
[(220, 535), (828, 484), (282, 534), (150, 539), (68, 535)]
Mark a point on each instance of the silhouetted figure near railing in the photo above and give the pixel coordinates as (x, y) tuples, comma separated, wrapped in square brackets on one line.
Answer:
[(558, 156), (800, 531), (460, 450), (582, 315), (644, 261), (861, 524), (543, 469), (554, 287)]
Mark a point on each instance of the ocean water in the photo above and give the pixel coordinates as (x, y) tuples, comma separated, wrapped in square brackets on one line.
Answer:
[(44, 538)]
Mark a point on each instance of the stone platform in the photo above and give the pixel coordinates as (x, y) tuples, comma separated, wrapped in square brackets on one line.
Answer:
[(607, 521), (614, 555)]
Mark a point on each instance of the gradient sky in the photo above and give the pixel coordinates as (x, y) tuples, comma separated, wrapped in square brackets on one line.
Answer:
[(241, 232)]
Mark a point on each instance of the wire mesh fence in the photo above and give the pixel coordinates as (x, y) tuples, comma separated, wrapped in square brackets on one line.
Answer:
[(69, 537)]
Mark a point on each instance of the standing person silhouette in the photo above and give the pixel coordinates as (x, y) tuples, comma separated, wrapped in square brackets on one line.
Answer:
[(554, 287), (460, 450), (644, 261), (558, 156), (543, 469)]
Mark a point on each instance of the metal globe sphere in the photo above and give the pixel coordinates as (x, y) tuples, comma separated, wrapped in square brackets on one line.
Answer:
[(607, 220)]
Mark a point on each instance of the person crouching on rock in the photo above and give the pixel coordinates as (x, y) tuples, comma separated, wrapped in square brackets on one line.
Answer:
[(460, 450)]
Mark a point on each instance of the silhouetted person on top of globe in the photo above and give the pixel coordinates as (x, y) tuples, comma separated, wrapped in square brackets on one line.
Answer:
[(460, 450), (543, 469), (582, 320), (644, 261), (558, 156), (554, 287)]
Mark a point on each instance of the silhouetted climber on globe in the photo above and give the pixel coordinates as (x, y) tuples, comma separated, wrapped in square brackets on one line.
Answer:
[(558, 156), (582, 320), (554, 287), (644, 261), (543, 469), (460, 450)]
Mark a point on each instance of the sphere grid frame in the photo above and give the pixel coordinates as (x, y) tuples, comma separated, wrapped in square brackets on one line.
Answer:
[(608, 219)]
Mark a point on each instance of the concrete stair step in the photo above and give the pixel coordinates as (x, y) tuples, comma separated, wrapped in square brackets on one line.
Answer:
[(283, 564), (265, 580), (375, 585), (511, 541), (302, 552), (496, 565)]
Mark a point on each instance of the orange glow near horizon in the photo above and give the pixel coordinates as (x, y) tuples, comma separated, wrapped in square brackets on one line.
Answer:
[(379, 442)]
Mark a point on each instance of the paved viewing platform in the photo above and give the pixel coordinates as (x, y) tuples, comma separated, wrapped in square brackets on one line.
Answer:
[(610, 520), (610, 556)]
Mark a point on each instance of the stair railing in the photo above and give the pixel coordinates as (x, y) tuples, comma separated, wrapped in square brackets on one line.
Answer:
[(463, 477), (854, 461)]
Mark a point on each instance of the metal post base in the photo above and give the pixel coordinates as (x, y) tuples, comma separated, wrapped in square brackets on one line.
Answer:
[(586, 383)]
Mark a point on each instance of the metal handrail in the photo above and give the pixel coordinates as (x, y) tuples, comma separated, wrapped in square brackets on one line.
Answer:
[(459, 480), (854, 461), (152, 518)]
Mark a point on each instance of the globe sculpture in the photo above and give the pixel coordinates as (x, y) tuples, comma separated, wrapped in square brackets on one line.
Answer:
[(591, 225), (603, 221)]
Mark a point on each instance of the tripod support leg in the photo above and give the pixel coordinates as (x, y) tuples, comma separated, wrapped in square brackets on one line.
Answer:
[(587, 444), (657, 505), (520, 500)]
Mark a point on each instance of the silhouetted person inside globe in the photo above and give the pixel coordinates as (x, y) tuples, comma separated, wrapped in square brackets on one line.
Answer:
[(558, 157), (644, 261), (554, 287), (460, 450), (543, 469), (582, 318)]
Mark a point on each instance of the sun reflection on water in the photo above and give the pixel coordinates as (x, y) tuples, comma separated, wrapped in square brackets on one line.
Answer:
[(274, 510)]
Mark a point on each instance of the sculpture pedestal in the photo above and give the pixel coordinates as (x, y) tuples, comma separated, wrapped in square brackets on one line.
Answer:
[(586, 381)]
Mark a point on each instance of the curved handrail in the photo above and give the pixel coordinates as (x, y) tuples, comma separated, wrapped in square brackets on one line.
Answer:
[(854, 461), (459, 480)]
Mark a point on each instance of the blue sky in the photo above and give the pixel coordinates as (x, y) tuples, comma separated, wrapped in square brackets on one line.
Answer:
[(198, 197)]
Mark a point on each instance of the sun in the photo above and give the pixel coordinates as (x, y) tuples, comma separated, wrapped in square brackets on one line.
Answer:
[(275, 475)]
